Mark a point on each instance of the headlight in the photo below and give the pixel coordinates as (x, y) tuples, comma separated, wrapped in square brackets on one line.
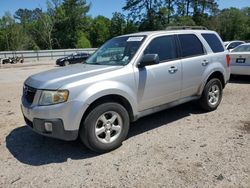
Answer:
[(53, 97)]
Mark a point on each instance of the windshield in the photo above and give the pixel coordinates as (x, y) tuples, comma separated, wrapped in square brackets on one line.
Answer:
[(242, 48), (117, 51)]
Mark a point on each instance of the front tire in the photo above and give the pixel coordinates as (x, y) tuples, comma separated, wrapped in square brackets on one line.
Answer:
[(212, 95), (105, 127)]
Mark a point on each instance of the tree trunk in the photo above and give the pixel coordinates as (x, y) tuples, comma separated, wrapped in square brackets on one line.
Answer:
[(169, 9), (188, 5)]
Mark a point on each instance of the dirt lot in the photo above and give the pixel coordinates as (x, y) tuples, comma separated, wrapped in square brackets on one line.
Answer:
[(179, 147)]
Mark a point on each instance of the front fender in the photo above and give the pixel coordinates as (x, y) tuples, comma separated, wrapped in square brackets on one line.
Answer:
[(95, 91), (104, 88)]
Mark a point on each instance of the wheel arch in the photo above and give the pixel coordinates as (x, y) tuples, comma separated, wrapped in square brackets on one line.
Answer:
[(219, 75), (215, 74), (110, 98)]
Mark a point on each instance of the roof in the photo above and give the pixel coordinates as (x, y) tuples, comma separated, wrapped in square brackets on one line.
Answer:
[(150, 33)]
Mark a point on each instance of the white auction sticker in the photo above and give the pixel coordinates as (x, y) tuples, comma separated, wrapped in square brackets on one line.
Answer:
[(135, 39)]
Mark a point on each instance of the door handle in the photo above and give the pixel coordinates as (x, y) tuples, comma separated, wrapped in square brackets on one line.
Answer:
[(205, 63), (172, 69)]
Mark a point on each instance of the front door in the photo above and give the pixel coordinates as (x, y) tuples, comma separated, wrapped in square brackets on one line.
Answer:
[(159, 84)]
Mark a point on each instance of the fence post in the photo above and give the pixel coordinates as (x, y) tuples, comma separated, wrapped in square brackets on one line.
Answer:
[(37, 56)]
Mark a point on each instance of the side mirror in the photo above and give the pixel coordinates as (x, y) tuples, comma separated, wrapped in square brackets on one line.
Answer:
[(149, 59)]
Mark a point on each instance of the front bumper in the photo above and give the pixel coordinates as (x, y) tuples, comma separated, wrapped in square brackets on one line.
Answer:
[(57, 131), (65, 119), (60, 63)]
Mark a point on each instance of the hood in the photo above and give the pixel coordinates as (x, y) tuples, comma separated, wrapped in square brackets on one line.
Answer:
[(56, 78)]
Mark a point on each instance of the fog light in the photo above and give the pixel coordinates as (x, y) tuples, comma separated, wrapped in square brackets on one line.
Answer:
[(48, 126)]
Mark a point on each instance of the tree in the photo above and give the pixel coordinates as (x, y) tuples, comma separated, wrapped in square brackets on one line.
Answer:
[(130, 27), (83, 41), (100, 31), (169, 10), (145, 11), (43, 28), (25, 16), (246, 12), (183, 21), (69, 20), (13, 34), (232, 24), (117, 25)]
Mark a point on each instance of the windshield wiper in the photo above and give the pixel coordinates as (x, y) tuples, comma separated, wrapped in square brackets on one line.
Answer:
[(92, 63)]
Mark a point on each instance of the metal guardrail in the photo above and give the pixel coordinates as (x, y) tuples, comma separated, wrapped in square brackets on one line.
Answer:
[(44, 54)]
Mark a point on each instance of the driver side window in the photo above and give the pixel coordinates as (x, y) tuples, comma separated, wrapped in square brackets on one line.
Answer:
[(163, 46)]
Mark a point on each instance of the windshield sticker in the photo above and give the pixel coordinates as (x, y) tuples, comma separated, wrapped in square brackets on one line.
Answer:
[(125, 58), (135, 39)]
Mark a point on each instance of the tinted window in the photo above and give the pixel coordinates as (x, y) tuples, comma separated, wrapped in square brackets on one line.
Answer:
[(190, 45), (163, 46), (213, 42), (234, 45)]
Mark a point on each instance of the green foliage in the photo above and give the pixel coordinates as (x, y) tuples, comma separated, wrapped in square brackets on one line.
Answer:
[(69, 19), (83, 41), (183, 21), (100, 31), (117, 25), (66, 23), (131, 27), (232, 24)]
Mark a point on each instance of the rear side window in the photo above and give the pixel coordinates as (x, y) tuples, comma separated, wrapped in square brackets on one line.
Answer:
[(213, 42), (163, 46), (190, 45)]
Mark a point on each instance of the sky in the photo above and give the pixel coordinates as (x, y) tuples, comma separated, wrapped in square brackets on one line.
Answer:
[(98, 7)]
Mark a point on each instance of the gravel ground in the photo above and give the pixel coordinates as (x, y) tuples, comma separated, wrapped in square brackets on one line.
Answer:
[(179, 147)]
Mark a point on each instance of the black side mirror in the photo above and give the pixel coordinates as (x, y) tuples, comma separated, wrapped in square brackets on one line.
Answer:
[(149, 59)]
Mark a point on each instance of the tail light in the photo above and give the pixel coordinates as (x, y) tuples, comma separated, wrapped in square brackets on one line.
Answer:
[(228, 60)]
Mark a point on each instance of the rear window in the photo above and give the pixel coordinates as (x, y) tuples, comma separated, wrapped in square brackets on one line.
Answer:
[(213, 42), (242, 48), (234, 45), (190, 45)]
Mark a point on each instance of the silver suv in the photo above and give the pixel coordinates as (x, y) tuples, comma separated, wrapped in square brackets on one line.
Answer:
[(129, 77)]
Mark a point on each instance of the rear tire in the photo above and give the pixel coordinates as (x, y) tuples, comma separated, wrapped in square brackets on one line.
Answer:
[(105, 127), (212, 95)]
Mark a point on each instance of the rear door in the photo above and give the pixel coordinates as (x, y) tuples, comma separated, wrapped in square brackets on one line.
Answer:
[(194, 63)]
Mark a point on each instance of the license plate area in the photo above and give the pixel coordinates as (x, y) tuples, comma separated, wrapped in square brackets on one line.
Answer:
[(240, 60)]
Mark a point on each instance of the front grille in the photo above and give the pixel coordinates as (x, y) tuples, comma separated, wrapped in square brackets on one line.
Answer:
[(29, 93)]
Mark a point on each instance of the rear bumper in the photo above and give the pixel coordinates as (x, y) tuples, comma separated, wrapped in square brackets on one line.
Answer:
[(240, 69), (57, 131)]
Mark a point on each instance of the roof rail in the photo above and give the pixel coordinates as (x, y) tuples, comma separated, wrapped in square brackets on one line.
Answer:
[(186, 28)]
